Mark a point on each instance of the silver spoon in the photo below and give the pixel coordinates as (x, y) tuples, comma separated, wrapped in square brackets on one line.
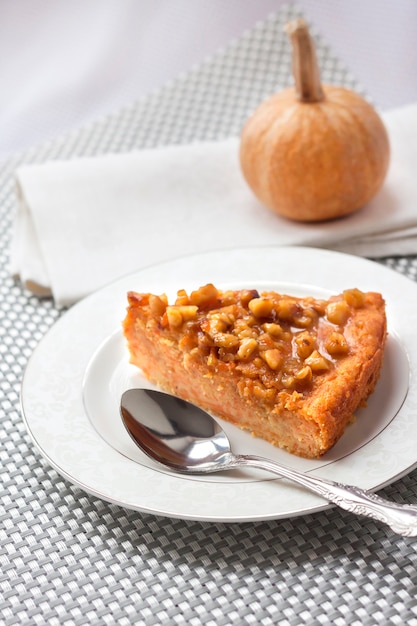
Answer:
[(188, 440)]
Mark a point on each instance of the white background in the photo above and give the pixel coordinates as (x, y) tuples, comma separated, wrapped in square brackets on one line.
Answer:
[(65, 63)]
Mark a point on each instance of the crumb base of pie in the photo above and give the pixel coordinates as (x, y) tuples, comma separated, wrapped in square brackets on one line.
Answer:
[(290, 370)]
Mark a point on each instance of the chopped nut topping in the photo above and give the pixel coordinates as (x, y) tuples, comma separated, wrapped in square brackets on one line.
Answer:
[(182, 298), (204, 296), (354, 297), (287, 309), (338, 312), (174, 316), (256, 333), (302, 321), (288, 381), (305, 343), (273, 358), (247, 347), (317, 362), (304, 375), (188, 312), (158, 304), (177, 314), (336, 344), (226, 340), (273, 329), (260, 307)]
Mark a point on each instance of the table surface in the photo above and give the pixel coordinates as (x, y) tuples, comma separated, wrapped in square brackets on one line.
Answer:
[(69, 558)]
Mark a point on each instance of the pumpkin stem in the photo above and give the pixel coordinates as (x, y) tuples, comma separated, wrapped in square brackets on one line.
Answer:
[(304, 63)]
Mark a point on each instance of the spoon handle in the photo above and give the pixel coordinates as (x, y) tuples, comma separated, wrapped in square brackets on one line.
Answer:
[(402, 518)]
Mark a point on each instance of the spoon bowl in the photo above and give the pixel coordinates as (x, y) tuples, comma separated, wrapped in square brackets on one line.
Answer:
[(174, 432), (186, 439)]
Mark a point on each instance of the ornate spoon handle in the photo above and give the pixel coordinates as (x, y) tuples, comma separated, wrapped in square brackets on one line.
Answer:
[(402, 518)]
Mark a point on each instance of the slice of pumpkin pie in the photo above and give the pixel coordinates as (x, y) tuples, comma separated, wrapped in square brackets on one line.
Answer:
[(288, 369)]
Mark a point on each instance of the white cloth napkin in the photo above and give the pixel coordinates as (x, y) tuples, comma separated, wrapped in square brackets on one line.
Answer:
[(85, 222)]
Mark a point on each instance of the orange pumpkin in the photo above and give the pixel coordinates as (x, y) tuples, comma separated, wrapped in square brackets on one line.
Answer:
[(314, 152)]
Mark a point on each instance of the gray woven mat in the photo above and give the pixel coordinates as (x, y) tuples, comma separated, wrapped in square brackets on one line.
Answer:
[(70, 559)]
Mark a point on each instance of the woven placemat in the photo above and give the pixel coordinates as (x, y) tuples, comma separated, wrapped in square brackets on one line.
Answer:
[(68, 558)]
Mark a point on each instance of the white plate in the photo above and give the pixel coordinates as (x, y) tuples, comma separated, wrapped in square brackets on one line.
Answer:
[(74, 379)]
